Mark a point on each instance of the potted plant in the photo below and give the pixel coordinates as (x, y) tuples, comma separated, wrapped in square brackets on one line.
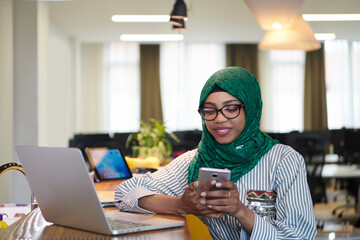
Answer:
[(153, 140)]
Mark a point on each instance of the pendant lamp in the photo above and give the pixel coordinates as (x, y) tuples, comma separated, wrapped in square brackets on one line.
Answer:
[(179, 11), (298, 36), (177, 22), (278, 13), (180, 27)]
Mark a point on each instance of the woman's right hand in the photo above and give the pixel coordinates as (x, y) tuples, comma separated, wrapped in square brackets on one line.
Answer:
[(191, 202)]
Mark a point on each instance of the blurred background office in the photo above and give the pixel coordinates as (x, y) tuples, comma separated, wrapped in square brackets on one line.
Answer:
[(65, 71)]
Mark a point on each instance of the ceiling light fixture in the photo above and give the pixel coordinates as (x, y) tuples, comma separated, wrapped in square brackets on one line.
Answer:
[(177, 22), (325, 36), (281, 12), (179, 11), (331, 17), (276, 26), (298, 36), (151, 37), (180, 27), (140, 18)]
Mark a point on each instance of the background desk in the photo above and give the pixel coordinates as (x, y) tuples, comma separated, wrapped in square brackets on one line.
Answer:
[(341, 171), (34, 227)]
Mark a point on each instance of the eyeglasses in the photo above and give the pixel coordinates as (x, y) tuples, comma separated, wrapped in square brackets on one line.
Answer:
[(228, 111)]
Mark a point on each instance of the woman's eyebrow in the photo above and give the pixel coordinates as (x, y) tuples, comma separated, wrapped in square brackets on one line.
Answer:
[(224, 103), (231, 101)]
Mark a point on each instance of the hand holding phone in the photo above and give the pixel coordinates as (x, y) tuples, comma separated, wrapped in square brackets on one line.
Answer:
[(208, 174)]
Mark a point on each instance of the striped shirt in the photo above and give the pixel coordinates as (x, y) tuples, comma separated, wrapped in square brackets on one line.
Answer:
[(281, 169)]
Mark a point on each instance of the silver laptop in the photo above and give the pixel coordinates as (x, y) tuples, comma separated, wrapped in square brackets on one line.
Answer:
[(66, 194)]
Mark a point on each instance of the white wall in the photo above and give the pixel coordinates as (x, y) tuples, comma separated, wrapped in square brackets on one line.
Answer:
[(91, 101), (57, 96)]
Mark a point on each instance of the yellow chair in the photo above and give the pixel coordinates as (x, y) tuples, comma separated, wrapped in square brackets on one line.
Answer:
[(197, 229)]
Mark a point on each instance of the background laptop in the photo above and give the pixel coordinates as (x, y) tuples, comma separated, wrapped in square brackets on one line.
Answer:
[(66, 194)]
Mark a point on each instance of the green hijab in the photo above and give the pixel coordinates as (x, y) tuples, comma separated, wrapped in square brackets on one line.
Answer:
[(241, 155)]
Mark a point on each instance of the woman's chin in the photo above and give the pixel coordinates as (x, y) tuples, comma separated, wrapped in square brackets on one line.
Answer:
[(224, 140)]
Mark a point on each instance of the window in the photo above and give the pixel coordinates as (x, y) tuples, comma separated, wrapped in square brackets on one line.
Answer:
[(283, 88), (122, 87), (342, 72), (184, 69)]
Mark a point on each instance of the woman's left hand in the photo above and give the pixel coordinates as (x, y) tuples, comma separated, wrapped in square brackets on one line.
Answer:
[(224, 199)]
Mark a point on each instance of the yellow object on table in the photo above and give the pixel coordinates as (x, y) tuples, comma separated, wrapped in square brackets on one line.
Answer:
[(3, 224), (149, 162)]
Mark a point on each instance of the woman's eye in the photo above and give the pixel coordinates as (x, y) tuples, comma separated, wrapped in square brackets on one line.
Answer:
[(231, 108), (209, 111)]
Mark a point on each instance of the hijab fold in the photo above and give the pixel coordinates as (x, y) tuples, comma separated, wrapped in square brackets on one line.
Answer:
[(241, 155)]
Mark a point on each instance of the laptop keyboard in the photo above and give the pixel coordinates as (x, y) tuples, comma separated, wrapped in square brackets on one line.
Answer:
[(117, 224)]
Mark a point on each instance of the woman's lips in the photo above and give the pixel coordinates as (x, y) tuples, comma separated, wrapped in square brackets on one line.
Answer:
[(222, 131)]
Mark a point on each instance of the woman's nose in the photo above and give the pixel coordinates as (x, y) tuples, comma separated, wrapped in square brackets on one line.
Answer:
[(220, 117)]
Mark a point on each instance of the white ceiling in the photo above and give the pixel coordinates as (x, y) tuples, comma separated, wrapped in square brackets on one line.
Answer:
[(227, 21)]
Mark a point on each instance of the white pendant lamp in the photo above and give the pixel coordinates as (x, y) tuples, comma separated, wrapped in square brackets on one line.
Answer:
[(298, 36), (274, 13)]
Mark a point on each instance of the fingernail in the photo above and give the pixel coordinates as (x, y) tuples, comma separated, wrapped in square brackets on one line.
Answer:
[(218, 184), (213, 182), (209, 206), (202, 202), (203, 194)]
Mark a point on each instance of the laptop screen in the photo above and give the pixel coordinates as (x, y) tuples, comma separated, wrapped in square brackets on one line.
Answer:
[(108, 164)]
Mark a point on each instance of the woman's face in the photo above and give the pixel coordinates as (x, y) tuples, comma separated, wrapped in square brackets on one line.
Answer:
[(222, 129)]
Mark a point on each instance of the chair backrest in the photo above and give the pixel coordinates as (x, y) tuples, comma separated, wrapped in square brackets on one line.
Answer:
[(352, 145), (316, 182), (309, 144)]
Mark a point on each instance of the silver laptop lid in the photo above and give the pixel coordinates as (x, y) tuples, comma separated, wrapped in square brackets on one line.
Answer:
[(66, 194), (63, 188)]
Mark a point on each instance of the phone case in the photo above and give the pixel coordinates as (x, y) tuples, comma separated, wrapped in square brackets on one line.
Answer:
[(207, 174)]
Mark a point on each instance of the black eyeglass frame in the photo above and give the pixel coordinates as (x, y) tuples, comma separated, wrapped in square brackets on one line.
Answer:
[(220, 110)]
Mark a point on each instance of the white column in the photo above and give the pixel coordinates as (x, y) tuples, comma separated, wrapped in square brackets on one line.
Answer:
[(6, 98), (26, 75)]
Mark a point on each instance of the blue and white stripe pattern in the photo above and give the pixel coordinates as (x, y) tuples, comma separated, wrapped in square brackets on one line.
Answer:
[(282, 169)]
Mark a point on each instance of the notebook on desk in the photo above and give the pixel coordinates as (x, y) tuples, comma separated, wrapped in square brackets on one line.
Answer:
[(66, 194)]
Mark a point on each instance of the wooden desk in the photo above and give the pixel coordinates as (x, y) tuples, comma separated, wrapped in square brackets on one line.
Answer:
[(33, 226)]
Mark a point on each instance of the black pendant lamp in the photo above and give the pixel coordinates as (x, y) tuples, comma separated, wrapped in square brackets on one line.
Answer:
[(180, 26), (177, 22), (179, 10)]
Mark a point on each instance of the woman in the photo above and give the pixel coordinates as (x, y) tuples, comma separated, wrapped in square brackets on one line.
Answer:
[(230, 106)]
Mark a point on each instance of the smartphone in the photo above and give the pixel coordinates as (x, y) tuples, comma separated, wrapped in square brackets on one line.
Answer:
[(208, 174)]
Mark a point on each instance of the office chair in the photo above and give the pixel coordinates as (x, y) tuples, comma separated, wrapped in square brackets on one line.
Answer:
[(311, 145), (189, 140), (316, 183), (83, 141), (350, 143), (281, 137), (120, 139)]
